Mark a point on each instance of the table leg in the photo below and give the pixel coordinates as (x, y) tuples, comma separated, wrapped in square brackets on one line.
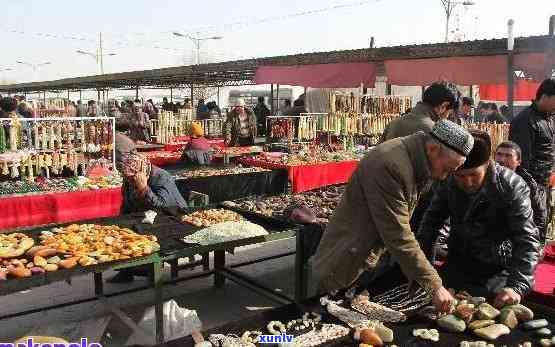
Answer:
[(158, 301), (219, 263), (205, 261), (301, 267), (174, 265), (98, 284)]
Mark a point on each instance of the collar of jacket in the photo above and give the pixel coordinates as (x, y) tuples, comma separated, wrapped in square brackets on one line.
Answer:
[(537, 111), (416, 149), (422, 110)]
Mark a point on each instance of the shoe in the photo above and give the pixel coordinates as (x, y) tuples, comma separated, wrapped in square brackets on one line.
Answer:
[(122, 277)]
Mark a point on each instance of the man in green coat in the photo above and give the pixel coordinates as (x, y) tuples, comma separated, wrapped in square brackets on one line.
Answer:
[(373, 216)]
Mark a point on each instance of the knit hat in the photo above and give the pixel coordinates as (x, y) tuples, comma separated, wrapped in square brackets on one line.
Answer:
[(453, 136), (196, 130), (481, 152)]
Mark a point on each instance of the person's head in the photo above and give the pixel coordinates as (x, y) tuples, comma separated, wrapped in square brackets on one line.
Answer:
[(447, 148), (299, 213), (299, 102), (137, 107), (79, 102), (287, 102), (201, 102), (240, 105), (133, 164), (545, 96), (196, 130), (482, 108), (471, 175), (442, 97), (504, 109), (493, 107), (165, 100), (260, 99), (508, 154), (8, 104), (466, 106)]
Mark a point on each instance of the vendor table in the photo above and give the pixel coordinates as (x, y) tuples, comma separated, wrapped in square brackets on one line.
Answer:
[(48, 208), (149, 147), (169, 231), (163, 158), (313, 176), (178, 146), (231, 187), (402, 331)]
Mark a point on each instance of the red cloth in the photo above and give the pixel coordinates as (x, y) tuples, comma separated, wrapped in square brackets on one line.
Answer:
[(524, 90), (49, 208), (337, 75), (200, 144), (308, 177), (543, 287), (178, 146), (163, 158), (462, 70)]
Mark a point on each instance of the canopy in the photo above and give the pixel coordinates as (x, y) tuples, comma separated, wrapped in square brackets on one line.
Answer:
[(523, 91), (336, 75), (463, 70)]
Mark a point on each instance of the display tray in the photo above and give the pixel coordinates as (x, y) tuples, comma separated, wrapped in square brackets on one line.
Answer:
[(271, 225), (168, 229), (402, 331)]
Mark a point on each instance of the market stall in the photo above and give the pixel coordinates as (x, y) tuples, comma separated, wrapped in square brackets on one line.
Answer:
[(222, 183), (325, 329), (309, 176), (175, 234), (56, 170)]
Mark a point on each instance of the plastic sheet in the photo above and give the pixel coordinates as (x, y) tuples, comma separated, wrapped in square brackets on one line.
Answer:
[(178, 322)]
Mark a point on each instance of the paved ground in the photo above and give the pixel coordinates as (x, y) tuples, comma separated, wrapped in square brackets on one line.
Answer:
[(214, 306)]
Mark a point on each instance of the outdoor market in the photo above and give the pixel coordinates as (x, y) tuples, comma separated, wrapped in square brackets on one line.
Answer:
[(399, 195)]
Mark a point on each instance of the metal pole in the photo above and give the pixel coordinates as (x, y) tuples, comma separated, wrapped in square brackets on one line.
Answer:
[(98, 99), (218, 95), (80, 97), (272, 99), (137, 92), (171, 94), (447, 17), (277, 94), (44, 98), (510, 68), (551, 54), (192, 103), (68, 95), (101, 56)]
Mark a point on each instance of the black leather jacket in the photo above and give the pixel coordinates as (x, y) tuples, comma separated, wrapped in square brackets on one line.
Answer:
[(491, 231), (533, 132)]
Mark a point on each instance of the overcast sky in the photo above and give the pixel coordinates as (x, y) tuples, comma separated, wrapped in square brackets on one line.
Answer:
[(140, 31)]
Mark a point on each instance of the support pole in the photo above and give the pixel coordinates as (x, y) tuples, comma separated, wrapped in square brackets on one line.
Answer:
[(137, 92), (510, 69), (192, 97), (277, 94), (80, 96), (551, 53), (218, 96), (272, 99), (388, 89), (171, 94), (68, 95), (98, 92), (44, 98)]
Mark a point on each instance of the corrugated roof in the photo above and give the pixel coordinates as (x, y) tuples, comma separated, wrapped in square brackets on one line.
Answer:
[(242, 71)]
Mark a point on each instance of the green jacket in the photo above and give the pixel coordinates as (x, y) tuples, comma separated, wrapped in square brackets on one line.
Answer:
[(373, 217), (421, 118)]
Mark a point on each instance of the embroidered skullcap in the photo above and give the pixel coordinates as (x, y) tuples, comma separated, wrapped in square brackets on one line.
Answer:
[(133, 163), (453, 136), (481, 151)]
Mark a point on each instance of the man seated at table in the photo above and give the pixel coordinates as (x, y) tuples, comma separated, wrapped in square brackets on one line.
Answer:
[(493, 241), (198, 150), (145, 187)]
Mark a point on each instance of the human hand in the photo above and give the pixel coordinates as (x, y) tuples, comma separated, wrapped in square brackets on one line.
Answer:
[(443, 300), (141, 182), (506, 296)]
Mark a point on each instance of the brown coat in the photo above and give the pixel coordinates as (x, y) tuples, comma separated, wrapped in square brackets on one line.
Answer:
[(421, 118), (373, 217)]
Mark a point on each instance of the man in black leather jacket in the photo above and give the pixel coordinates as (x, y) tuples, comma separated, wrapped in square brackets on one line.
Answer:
[(532, 130), (493, 241), (509, 154)]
